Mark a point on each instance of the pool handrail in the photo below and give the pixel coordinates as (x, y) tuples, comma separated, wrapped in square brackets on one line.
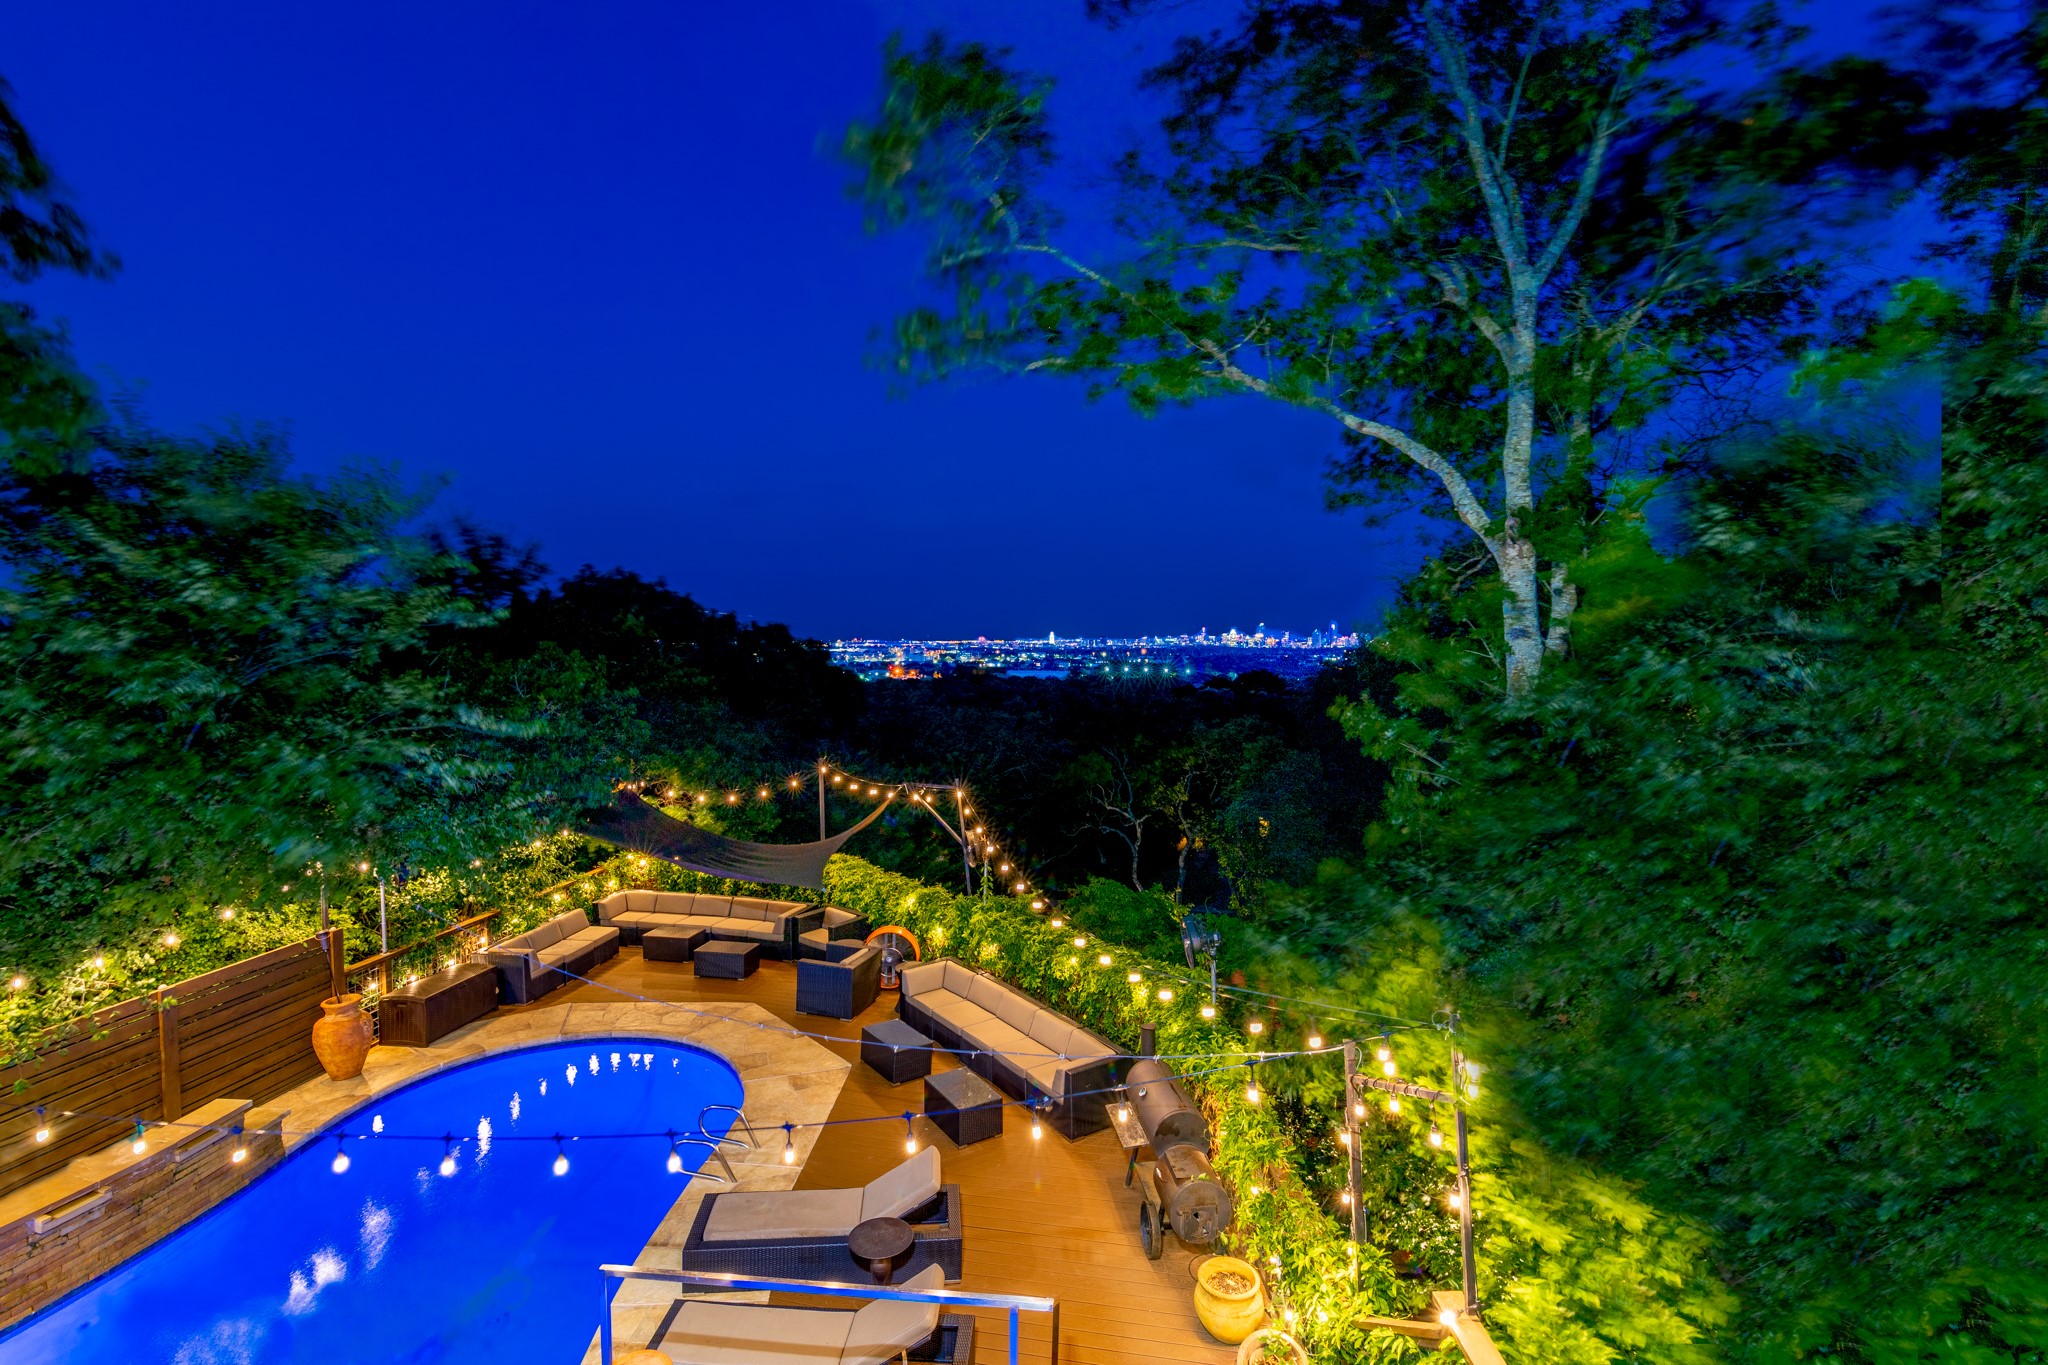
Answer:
[(1013, 1304), (752, 1140), (711, 1146)]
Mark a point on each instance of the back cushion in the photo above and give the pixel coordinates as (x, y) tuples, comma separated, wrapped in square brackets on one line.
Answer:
[(1014, 1008), (572, 921), (885, 1328), (959, 978), (923, 976), (543, 935), (897, 1193), (705, 903), (834, 917), (1050, 1031), (988, 992), (641, 900)]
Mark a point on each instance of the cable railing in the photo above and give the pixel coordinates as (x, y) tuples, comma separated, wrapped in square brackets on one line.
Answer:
[(1010, 1304)]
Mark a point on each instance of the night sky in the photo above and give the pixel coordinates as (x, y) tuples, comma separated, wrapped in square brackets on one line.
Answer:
[(596, 268)]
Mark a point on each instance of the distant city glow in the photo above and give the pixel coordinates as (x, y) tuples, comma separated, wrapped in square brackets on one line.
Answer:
[(1184, 658)]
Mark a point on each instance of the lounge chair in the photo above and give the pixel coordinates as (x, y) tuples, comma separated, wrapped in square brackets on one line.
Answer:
[(844, 984), (801, 1234), (697, 1332)]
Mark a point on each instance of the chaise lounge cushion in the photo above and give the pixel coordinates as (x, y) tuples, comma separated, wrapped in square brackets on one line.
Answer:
[(781, 1214), (885, 1328), (707, 1333), (901, 1192)]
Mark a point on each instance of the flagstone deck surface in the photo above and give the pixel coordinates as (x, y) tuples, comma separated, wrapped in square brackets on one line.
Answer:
[(1050, 1217)]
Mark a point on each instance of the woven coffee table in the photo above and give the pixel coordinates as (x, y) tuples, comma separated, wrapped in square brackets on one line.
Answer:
[(896, 1051), (726, 961), (965, 1107), (671, 944)]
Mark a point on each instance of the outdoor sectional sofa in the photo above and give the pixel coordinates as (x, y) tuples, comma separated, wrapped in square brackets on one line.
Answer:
[(801, 1234), (528, 963), (775, 925), (1012, 1041)]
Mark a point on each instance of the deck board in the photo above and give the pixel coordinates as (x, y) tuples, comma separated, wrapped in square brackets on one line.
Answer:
[(1050, 1217)]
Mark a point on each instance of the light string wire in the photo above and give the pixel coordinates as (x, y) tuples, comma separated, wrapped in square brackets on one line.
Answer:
[(1038, 1105)]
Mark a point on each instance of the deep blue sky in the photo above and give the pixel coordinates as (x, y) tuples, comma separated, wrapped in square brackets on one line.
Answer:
[(595, 265)]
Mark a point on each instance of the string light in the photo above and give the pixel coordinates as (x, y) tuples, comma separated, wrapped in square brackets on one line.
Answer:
[(764, 793), (42, 1126), (1436, 1135), (1037, 1128), (141, 1143), (1251, 1084), (1135, 977), (1385, 1051), (675, 1156), (1255, 1027), (1315, 1040), (241, 1152), (1343, 1137), (1455, 1200), (17, 983), (1165, 996), (170, 940), (98, 962), (909, 1136), (1393, 1104), (1104, 959), (340, 1163), (561, 1159), (448, 1158), (789, 1144), (1208, 1011)]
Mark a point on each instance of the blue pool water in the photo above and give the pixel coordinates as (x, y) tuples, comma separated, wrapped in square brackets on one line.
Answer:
[(392, 1261)]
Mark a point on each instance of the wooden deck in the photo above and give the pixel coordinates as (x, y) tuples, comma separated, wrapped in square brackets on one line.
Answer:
[(1050, 1217)]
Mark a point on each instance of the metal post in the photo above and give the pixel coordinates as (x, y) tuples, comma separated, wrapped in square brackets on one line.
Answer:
[(1465, 1192), (604, 1322), (966, 848), (1013, 1336), (821, 803), (383, 918), (1354, 1177)]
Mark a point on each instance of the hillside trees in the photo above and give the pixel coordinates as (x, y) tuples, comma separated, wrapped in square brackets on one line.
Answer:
[(1488, 242)]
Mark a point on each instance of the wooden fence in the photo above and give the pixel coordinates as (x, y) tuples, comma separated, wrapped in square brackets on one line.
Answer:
[(243, 1031)]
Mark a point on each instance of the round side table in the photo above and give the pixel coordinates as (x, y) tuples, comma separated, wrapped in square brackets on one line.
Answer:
[(881, 1244)]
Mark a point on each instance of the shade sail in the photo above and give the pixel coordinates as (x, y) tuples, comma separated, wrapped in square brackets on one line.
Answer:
[(632, 823)]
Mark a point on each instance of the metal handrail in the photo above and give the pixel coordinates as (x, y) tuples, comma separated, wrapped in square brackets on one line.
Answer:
[(710, 1145), (1012, 1303), (752, 1141)]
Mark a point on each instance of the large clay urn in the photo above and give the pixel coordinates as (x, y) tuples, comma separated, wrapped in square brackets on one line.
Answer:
[(342, 1036), (1229, 1298)]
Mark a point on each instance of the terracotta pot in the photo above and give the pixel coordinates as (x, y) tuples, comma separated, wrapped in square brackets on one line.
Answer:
[(342, 1037), (1230, 1315), (1270, 1344)]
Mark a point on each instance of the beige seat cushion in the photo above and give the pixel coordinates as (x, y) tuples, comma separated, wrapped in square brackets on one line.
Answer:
[(753, 1334), (1021, 1049), (969, 1019), (896, 1193), (885, 1328), (555, 954), (757, 1215), (750, 929), (1046, 1077)]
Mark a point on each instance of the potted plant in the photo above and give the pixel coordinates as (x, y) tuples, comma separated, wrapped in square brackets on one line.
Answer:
[(1271, 1346)]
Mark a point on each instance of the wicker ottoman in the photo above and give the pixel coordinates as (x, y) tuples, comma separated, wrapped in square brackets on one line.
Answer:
[(671, 945), (965, 1107), (726, 961), (896, 1051)]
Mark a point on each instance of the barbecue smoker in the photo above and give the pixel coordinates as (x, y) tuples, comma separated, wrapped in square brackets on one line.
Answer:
[(1180, 1191)]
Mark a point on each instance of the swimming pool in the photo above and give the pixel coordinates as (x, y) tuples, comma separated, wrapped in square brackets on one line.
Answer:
[(408, 1256)]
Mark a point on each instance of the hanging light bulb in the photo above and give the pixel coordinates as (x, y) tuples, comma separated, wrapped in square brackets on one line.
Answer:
[(1165, 995), (340, 1163), (1393, 1104), (1251, 1084), (42, 1126), (1315, 1040), (1384, 1052), (1389, 1067), (764, 793), (1455, 1200), (789, 1144), (1103, 960), (909, 1136), (1358, 1109), (1343, 1137), (1135, 977), (1255, 1027), (1208, 1011), (675, 1156), (1346, 1199), (1037, 1128), (141, 1143), (448, 1157), (1436, 1135), (561, 1159)]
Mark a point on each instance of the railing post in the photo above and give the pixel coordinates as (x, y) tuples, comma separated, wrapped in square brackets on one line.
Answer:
[(167, 1055), (604, 1321), (337, 963), (1013, 1337)]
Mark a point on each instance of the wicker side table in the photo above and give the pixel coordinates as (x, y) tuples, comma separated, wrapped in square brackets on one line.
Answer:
[(965, 1107), (726, 961), (671, 944), (896, 1051)]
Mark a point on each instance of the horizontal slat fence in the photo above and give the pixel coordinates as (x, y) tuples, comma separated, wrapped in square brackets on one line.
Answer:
[(243, 1031)]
